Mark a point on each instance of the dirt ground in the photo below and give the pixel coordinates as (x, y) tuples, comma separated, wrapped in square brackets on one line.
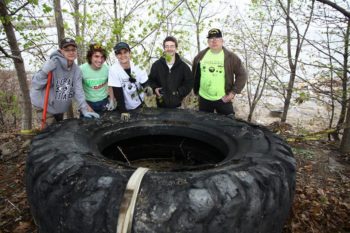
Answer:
[(321, 202)]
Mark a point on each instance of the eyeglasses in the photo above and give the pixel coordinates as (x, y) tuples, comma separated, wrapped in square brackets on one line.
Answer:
[(70, 50), (214, 39)]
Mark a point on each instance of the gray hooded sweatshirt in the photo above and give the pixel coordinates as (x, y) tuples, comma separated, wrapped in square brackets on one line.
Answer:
[(66, 84)]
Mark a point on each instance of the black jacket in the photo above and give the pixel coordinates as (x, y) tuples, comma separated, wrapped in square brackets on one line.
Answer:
[(176, 83)]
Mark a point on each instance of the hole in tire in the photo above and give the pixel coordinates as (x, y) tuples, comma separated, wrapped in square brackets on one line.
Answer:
[(163, 148)]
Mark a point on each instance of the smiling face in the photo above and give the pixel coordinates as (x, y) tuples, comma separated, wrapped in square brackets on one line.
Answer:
[(170, 48), (123, 57), (97, 60), (70, 53)]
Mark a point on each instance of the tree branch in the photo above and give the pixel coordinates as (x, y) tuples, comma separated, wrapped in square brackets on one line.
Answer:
[(19, 8), (9, 55), (160, 23), (335, 6)]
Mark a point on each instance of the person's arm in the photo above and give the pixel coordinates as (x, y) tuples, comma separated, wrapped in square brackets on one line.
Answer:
[(187, 82), (79, 94), (145, 84), (241, 76), (110, 94), (39, 79), (197, 78), (119, 95), (152, 78)]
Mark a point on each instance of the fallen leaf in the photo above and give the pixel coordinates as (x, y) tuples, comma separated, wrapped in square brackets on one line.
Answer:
[(23, 227)]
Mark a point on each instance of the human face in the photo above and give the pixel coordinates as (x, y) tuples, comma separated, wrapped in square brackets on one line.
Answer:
[(170, 48), (123, 57), (70, 53), (97, 60), (215, 44)]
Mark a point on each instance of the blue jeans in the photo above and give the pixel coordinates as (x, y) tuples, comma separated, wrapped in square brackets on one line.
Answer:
[(98, 106)]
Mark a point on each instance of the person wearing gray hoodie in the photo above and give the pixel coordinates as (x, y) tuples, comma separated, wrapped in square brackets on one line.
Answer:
[(66, 84)]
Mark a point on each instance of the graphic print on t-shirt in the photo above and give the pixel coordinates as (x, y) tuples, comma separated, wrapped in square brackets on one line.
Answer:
[(64, 90), (131, 89), (212, 76)]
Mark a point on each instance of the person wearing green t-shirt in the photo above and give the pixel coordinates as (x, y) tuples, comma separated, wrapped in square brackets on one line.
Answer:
[(95, 80), (218, 74)]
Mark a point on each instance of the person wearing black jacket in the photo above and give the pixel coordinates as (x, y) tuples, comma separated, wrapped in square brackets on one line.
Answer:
[(170, 77)]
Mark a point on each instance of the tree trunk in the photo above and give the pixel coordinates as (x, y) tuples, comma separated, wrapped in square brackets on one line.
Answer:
[(197, 37), (19, 66), (293, 65), (59, 20), (60, 36), (289, 95), (251, 111), (78, 32), (116, 5), (345, 142), (344, 79)]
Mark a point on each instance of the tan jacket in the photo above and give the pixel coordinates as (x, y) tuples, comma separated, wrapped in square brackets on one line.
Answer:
[(235, 73)]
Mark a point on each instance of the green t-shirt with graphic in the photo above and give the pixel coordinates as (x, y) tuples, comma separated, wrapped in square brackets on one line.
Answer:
[(212, 83), (95, 82)]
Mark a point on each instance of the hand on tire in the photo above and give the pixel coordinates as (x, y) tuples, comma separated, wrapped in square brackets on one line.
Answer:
[(91, 115), (125, 116), (111, 105), (148, 91)]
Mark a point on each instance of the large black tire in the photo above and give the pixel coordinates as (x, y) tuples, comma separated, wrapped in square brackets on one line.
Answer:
[(231, 176)]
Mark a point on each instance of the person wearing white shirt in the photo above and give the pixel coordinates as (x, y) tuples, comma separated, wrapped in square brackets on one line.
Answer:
[(128, 81)]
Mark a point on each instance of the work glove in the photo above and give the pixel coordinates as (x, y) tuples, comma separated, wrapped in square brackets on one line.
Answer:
[(48, 66), (111, 105), (148, 91), (91, 115), (125, 116)]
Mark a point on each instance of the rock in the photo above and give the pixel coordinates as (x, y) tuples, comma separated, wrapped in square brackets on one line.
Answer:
[(6, 149), (26, 144), (334, 166), (276, 112)]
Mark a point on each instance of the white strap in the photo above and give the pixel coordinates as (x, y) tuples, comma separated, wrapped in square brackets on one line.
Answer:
[(127, 206)]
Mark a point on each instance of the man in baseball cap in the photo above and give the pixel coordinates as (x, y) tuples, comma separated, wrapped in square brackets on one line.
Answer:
[(219, 75), (121, 45), (128, 81), (66, 85), (66, 42), (214, 33)]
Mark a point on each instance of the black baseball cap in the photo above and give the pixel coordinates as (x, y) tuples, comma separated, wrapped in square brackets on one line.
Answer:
[(214, 33), (66, 42), (121, 45)]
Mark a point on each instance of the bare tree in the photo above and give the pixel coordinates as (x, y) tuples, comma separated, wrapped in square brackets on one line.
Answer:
[(293, 59), (16, 56), (199, 17)]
